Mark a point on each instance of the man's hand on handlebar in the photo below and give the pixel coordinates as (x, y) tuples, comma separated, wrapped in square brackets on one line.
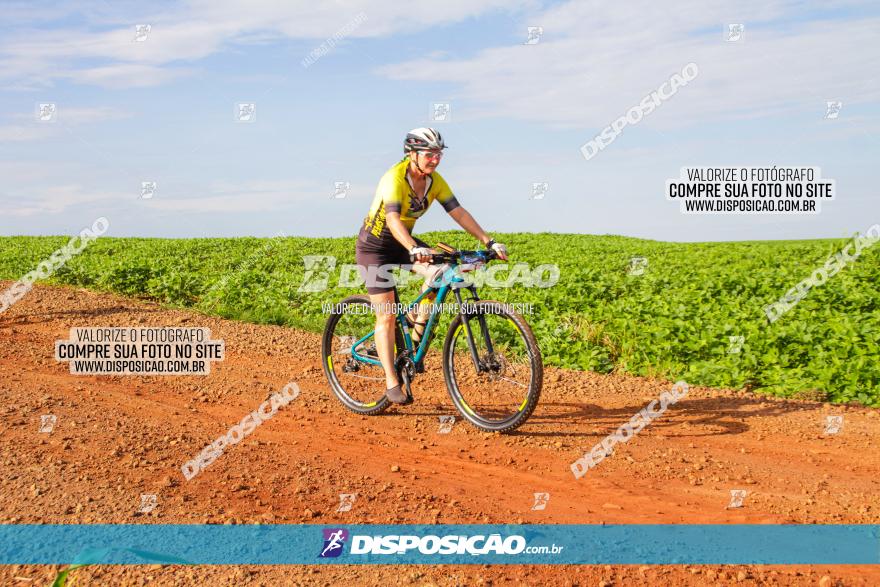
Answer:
[(447, 254), (420, 254), (500, 250)]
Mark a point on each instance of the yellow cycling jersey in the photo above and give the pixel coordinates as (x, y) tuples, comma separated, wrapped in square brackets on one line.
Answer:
[(395, 194)]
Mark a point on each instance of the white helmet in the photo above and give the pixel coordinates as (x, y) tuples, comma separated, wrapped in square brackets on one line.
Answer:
[(423, 139)]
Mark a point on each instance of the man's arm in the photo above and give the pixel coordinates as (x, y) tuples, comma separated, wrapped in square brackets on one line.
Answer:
[(467, 222), (402, 235), (398, 230)]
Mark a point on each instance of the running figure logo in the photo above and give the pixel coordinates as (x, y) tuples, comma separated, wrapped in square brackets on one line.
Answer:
[(440, 112), (148, 188), (446, 423), (637, 266), (736, 498), (148, 503), (736, 343), (539, 189), (735, 32), (833, 424), (535, 34), (49, 113), (334, 540), (832, 109), (47, 423), (346, 502), (541, 500)]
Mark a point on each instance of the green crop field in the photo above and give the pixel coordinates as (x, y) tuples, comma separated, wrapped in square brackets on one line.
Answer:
[(674, 320)]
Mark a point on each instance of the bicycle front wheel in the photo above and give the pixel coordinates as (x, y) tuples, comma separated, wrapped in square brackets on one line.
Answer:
[(500, 391), (359, 385)]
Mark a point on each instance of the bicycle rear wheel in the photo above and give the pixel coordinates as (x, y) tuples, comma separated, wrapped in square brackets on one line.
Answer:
[(502, 393), (360, 386)]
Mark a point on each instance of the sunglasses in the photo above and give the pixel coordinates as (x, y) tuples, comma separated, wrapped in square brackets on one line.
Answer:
[(432, 154)]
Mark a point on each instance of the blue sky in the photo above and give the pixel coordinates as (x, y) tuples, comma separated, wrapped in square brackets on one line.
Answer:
[(163, 110)]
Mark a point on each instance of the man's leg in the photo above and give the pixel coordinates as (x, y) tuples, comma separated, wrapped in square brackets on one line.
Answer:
[(371, 265), (383, 305), (421, 313)]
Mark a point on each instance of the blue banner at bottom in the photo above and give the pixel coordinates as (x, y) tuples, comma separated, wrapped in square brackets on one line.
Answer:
[(440, 544)]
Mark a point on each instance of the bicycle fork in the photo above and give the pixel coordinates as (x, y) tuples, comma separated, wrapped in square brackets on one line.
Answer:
[(466, 321)]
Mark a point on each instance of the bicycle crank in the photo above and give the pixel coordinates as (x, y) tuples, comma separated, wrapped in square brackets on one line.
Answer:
[(406, 370)]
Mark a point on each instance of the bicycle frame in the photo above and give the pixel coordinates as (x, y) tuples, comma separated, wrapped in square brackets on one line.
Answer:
[(450, 281)]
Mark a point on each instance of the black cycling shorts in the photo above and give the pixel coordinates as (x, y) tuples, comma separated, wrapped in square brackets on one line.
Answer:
[(369, 255)]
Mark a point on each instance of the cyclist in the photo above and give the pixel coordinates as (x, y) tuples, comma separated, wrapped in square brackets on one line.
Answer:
[(405, 193)]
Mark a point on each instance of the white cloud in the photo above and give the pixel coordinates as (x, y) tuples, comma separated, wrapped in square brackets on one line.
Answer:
[(33, 57), (20, 172), (51, 200), (596, 60), (74, 116), (127, 75), (30, 129), (223, 197), (250, 196), (21, 132)]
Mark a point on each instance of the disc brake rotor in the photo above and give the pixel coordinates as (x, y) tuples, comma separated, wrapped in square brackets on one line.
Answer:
[(496, 366)]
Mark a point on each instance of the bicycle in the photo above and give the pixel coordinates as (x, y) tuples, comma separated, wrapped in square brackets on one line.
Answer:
[(491, 362)]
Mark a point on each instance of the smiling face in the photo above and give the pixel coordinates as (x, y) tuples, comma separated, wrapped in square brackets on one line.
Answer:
[(427, 160)]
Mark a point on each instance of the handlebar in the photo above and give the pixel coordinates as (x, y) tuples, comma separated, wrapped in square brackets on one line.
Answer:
[(456, 256)]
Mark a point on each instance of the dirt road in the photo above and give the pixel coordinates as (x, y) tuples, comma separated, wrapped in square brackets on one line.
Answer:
[(116, 438)]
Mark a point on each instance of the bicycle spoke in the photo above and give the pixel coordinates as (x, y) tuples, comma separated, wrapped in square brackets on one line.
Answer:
[(497, 392), (523, 385), (358, 380), (382, 378)]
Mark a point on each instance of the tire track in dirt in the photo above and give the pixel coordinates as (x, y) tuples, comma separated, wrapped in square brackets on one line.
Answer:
[(119, 437)]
